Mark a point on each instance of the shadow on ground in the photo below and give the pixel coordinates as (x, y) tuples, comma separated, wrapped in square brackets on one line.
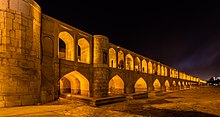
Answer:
[(138, 109)]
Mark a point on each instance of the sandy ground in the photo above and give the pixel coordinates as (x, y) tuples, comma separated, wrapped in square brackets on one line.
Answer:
[(199, 102)]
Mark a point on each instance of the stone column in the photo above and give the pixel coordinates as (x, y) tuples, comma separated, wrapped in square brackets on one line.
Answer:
[(20, 76), (100, 64)]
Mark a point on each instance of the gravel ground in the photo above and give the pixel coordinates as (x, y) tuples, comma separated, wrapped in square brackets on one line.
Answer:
[(199, 102)]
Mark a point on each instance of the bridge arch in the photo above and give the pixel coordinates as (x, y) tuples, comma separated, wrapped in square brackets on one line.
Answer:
[(140, 85), (116, 86), (144, 66), (137, 64), (167, 85), (83, 51), (174, 83), (66, 46), (121, 60), (157, 85), (112, 58), (129, 62), (74, 83)]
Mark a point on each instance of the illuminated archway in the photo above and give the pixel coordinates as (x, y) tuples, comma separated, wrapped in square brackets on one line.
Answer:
[(121, 60), (158, 70), (83, 51), (162, 71), (137, 64), (165, 71), (66, 46), (154, 68), (179, 83), (157, 85), (174, 83), (76, 83), (129, 62), (112, 58), (116, 86), (140, 85), (65, 86), (144, 66), (167, 85), (150, 68)]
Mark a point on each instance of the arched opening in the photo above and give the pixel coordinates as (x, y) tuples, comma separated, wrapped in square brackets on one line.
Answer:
[(116, 86), (158, 70), (157, 85), (174, 83), (112, 58), (179, 84), (83, 51), (165, 71), (167, 85), (74, 83), (144, 66), (129, 62), (140, 85), (137, 64), (150, 68), (120, 60), (154, 68), (162, 71), (65, 86), (66, 46)]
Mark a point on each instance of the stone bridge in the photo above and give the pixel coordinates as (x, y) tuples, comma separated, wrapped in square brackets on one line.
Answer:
[(43, 58)]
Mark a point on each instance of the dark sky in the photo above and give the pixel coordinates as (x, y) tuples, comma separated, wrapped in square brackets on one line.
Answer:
[(183, 35)]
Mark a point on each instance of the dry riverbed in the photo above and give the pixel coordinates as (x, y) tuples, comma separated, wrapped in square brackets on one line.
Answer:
[(199, 102)]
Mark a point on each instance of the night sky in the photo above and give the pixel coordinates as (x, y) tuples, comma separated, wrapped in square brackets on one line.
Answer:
[(183, 35)]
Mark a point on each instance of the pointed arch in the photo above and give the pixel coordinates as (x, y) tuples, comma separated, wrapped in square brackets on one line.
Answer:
[(144, 66), (165, 71), (162, 71), (83, 51), (167, 85), (121, 60), (150, 68), (116, 86), (66, 46), (112, 58), (179, 83), (158, 70), (157, 85), (65, 86), (140, 85), (129, 62), (79, 83), (154, 68), (174, 84), (137, 64)]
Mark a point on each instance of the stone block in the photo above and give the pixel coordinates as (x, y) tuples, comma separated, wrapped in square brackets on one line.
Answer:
[(4, 4), (13, 5), (13, 103)]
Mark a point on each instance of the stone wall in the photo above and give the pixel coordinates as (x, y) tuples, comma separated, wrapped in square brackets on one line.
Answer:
[(20, 77)]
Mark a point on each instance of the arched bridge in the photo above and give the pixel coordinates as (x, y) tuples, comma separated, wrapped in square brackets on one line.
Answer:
[(83, 64)]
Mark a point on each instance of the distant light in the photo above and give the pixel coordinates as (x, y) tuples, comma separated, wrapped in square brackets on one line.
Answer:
[(68, 95), (118, 47)]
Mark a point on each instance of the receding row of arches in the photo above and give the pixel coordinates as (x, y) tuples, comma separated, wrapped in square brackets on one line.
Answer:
[(77, 84), (67, 48), (121, 61)]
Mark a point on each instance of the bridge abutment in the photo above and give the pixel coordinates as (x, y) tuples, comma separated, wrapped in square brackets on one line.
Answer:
[(20, 76)]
